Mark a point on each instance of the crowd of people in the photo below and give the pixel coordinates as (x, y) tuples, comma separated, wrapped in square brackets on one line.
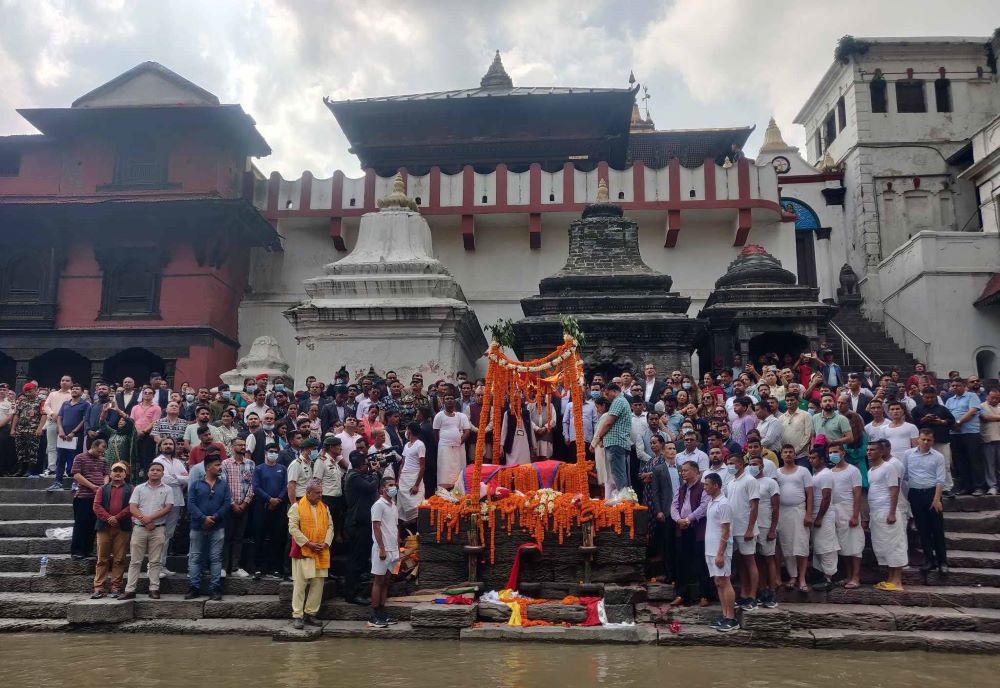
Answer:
[(754, 467)]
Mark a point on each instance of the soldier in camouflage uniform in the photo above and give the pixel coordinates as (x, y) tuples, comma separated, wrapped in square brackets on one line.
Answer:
[(29, 419), (413, 400)]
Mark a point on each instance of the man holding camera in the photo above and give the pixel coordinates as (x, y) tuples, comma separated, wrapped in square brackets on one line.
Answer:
[(361, 490)]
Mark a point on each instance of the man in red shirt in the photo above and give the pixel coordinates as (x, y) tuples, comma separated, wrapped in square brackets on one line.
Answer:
[(90, 472), (114, 527), (205, 443)]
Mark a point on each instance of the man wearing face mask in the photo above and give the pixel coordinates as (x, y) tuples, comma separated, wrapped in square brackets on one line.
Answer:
[(270, 488), (278, 386), (300, 471), (385, 550), (361, 488), (260, 438), (768, 512), (846, 506), (237, 471), (743, 493)]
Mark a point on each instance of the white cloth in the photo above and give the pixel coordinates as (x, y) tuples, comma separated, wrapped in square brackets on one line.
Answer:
[(792, 533), (175, 476), (880, 479), (450, 428), (889, 540), (851, 540), (740, 493), (405, 502), (386, 515), (766, 488), (824, 538), (904, 489), (900, 438), (719, 512), (876, 432), (450, 464), (348, 443), (821, 481), (727, 565), (520, 452), (844, 481), (698, 456)]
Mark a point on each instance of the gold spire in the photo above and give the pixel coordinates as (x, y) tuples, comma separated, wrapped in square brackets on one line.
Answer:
[(727, 163), (602, 192), (398, 197), (773, 142), (826, 164), (496, 76)]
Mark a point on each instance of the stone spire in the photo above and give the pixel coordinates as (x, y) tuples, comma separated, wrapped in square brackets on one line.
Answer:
[(496, 76), (602, 192), (773, 142), (397, 199)]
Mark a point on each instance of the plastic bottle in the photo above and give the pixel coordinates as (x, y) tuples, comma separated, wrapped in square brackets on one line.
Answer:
[(44, 566)]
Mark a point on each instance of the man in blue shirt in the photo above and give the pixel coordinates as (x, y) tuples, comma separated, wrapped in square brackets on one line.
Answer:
[(270, 488), (926, 477), (207, 503), (966, 442), (69, 428)]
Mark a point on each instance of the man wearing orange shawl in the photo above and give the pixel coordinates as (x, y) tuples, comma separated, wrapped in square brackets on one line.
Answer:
[(311, 528)]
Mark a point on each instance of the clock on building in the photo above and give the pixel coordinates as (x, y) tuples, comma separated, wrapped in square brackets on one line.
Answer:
[(780, 164)]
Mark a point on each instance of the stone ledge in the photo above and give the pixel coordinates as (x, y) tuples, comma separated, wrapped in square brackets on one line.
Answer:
[(106, 611), (169, 607), (556, 612), (443, 615), (33, 625), (573, 634), (21, 606), (399, 631)]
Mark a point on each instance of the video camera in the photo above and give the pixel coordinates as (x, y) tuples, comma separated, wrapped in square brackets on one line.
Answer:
[(380, 459)]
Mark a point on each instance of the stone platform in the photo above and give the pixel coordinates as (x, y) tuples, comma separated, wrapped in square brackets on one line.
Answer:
[(960, 613)]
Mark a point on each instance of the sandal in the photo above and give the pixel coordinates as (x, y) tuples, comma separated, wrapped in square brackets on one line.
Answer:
[(98, 594), (888, 587), (804, 587), (792, 584), (852, 585)]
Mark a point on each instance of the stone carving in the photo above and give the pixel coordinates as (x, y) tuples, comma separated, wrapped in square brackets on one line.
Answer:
[(398, 198), (847, 292)]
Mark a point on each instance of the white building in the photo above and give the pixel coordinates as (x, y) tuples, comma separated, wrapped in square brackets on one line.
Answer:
[(896, 115)]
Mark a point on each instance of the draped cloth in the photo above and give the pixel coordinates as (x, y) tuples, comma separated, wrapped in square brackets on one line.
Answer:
[(314, 522)]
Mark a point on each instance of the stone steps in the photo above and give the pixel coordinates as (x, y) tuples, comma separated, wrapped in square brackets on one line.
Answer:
[(838, 639), (33, 545), (30, 512), (34, 496), (176, 584), (973, 559), (960, 576), (9, 483), (978, 542), (970, 503), (31, 528), (912, 596), (972, 522)]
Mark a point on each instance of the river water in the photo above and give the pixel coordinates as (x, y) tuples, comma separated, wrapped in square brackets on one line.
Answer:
[(148, 661)]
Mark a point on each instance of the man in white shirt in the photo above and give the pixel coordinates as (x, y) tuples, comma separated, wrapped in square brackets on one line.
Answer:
[(652, 388), (743, 493), (846, 506), (768, 511), (385, 548), (768, 426), (825, 545), (349, 437), (692, 453), (796, 426), (901, 435), (876, 428), (53, 402), (887, 523), (451, 430), (259, 405), (371, 398), (719, 550), (716, 465)]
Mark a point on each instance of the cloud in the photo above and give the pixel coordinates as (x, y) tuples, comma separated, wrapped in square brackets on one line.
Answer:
[(707, 63)]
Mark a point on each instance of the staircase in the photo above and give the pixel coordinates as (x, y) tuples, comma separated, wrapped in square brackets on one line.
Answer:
[(872, 339), (956, 613)]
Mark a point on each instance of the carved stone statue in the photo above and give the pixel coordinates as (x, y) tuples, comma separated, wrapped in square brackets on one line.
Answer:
[(847, 293)]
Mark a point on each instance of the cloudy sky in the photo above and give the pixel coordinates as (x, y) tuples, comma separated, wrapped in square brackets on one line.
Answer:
[(707, 63)]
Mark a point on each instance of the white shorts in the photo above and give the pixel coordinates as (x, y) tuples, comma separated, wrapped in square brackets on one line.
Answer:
[(380, 567), (764, 546), (726, 570), (744, 546)]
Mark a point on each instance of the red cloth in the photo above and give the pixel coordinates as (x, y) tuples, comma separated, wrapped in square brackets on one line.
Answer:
[(457, 599), (591, 604), (516, 568), (545, 470)]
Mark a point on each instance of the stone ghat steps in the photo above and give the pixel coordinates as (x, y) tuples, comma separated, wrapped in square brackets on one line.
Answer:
[(36, 495), (176, 584), (970, 503), (33, 545), (29, 512), (913, 595), (979, 542), (972, 522), (62, 565), (22, 528)]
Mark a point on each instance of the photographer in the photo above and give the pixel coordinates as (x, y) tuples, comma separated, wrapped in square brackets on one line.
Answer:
[(361, 491)]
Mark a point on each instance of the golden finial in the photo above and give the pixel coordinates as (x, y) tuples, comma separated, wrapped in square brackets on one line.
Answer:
[(727, 163), (398, 197), (602, 192), (773, 141)]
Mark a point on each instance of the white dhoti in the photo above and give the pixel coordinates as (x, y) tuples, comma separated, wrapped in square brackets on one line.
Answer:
[(825, 545), (851, 540), (406, 502), (450, 464), (793, 536), (889, 540)]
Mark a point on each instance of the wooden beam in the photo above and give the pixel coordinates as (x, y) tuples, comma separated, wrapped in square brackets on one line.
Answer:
[(469, 232)]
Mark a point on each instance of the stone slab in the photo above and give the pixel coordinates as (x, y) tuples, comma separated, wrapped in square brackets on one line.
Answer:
[(659, 592), (704, 635), (16, 582), (169, 607), (972, 643), (848, 639), (106, 611), (987, 620), (294, 635), (972, 522), (400, 631), (620, 613), (557, 613), (846, 616), (625, 594), (26, 606), (248, 607), (496, 613), (572, 634), (266, 627), (33, 625), (772, 621), (339, 610), (931, 619), (443, 615)]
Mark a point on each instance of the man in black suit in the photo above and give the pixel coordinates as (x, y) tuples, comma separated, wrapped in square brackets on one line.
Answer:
[(128, 397), (161, 393), (651, 387), (337, 410)]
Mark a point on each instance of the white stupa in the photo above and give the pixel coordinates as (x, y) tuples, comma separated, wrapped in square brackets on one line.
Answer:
[(389, 304)]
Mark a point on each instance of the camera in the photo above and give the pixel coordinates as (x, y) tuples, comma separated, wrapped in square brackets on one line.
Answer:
[(380, 459)]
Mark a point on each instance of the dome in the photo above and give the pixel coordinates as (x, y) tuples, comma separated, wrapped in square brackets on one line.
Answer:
[(754, 265)]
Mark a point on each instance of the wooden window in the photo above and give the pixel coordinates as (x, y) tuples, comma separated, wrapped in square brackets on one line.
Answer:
[(942, 94), (131, 285), (25, 280), (818, 142), (910, 96), (879, 100), (141, 163), (830, 128), (841, 114)]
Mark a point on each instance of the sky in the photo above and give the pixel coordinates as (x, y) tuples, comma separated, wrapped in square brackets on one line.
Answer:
[(707, 63)]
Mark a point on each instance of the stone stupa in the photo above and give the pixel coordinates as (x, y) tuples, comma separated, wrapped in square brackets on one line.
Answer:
[(389, 304), (624, 308)]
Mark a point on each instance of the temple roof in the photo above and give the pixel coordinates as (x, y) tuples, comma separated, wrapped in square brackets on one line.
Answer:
[(756, 266), (690, 146)]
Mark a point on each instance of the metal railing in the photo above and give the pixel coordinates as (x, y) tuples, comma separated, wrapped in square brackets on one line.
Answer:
[(847, 345), (907, 333)]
